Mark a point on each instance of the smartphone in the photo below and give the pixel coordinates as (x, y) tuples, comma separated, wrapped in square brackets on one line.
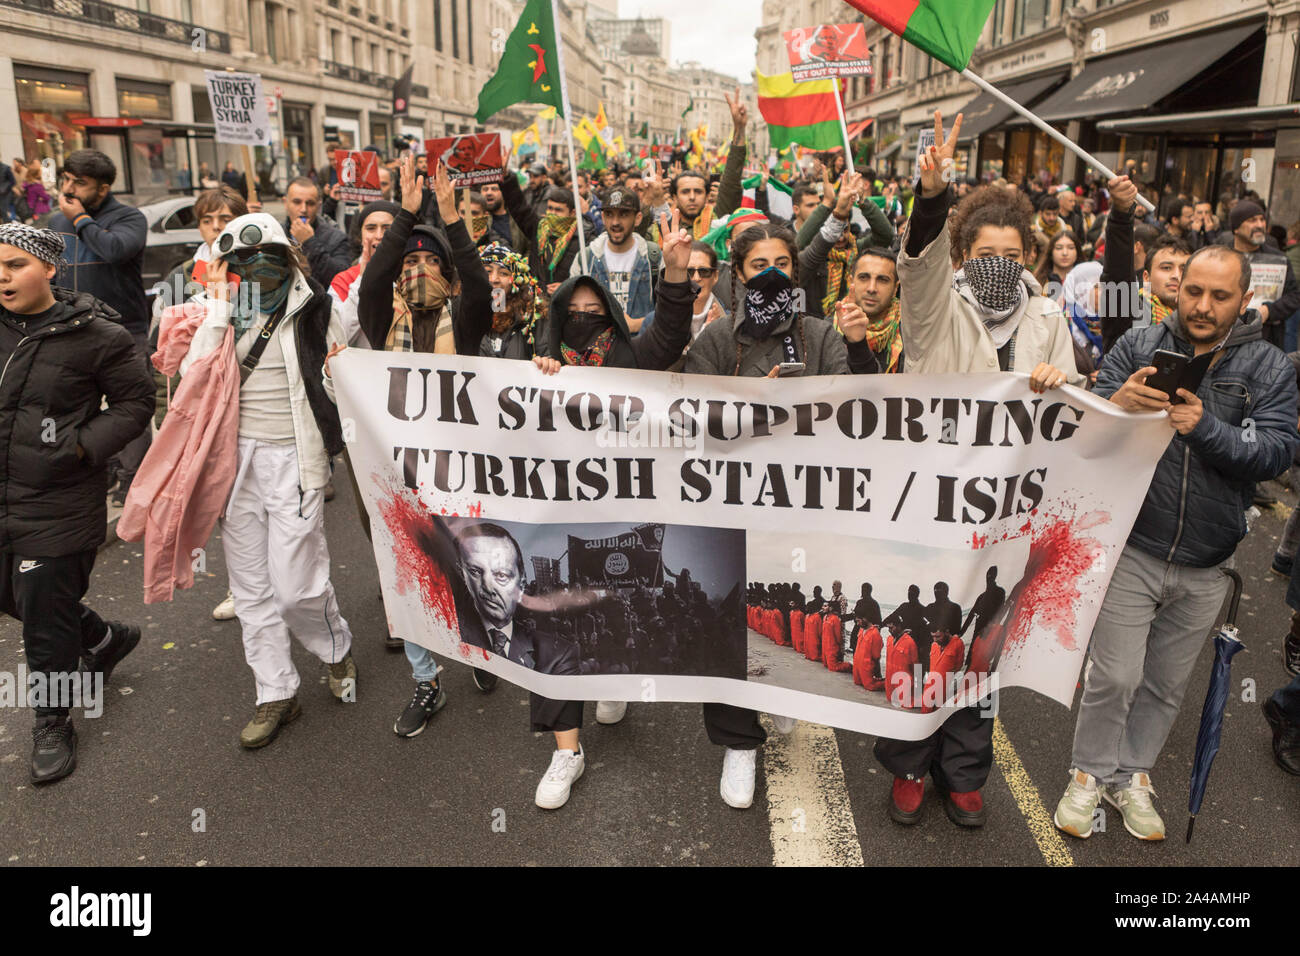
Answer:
[(790, 368), (1168, 377)]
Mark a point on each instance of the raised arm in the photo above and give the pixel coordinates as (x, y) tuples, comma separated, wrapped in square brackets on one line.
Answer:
[(375, 296), (730, 193)]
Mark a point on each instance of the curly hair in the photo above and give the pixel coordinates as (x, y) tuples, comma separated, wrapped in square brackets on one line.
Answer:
[(991, 206)]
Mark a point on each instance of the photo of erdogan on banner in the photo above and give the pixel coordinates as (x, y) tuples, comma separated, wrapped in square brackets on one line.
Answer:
[(603, 598)]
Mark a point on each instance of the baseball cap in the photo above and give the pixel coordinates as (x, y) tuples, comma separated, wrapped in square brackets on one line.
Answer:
[(620, 197)]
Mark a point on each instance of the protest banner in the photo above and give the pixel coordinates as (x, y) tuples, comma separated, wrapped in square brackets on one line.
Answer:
[(831, 49), (1267, 280), (358, 175), (472, 159), (238, 108), (898, 486)]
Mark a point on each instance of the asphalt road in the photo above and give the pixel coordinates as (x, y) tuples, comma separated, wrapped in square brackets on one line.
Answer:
[(162, 781)]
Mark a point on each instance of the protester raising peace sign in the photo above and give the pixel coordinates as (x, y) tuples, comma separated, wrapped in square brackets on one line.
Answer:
[(937, 169)]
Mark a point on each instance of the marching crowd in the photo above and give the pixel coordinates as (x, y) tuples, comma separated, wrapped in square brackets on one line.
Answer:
[(229, 375)]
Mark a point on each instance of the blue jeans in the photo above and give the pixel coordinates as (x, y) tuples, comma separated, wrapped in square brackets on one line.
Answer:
[(423, 665)]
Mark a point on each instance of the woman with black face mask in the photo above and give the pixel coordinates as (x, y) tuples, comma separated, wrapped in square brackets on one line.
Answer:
[(969, 305), (586, 326), (769, 335)]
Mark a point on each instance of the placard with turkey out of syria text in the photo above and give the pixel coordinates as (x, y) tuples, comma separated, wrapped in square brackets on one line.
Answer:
[(869, 552)]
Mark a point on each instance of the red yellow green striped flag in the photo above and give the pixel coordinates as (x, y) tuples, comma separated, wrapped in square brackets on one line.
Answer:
[(946, 29), (803, 113)]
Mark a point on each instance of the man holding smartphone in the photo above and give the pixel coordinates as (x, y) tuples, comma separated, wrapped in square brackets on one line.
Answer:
[(1236, 428)]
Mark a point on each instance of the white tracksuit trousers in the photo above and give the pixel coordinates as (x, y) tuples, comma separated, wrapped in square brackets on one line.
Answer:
[(279, 568)]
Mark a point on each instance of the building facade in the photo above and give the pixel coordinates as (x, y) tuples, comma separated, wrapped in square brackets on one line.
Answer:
[(1193, 96), (73, 74)]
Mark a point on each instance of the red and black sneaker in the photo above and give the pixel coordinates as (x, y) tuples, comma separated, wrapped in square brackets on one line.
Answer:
[(905, 801), (965, 809)]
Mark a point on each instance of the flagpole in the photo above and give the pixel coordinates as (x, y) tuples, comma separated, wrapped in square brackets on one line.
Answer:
[(1065, 141), (844, 128), (568, 138)]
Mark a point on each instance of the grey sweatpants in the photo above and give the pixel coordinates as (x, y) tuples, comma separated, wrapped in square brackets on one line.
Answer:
[(1153, 622)]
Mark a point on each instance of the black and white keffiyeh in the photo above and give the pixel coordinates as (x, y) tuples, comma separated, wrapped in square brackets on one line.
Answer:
[(45, 244), (995, 286)]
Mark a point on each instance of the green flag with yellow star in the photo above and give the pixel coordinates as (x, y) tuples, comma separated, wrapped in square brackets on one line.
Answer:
[(529, 70)]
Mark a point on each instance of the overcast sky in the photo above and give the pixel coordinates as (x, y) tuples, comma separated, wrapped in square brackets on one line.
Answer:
[(717, 33)]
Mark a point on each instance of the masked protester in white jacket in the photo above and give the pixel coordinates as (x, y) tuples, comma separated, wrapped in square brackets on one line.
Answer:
[(273, 530), (968, 305)]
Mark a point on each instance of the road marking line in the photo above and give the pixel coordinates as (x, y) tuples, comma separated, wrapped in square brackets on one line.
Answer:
[(1050, 842), (808, 801)]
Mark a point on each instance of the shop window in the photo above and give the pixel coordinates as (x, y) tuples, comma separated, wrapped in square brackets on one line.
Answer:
[(1189, 170), (141, 100), (47, 102)]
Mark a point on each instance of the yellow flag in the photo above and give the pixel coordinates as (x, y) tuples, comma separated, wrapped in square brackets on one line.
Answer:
[(601, 121), (547, 114)]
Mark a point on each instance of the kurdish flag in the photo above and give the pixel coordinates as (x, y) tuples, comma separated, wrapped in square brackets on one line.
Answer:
[(592, 156), (946, 29), (528, 71), (803, 113)]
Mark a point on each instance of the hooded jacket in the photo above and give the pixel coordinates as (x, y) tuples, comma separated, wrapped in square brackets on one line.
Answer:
[(104, 255), (1194, 511), (942, 332), (55, 376), (655, 349), (822, 349)]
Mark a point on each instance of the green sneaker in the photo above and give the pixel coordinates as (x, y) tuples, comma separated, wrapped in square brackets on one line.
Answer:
[(343, 679), (1078, 807), (1134, 804), (267, 721)]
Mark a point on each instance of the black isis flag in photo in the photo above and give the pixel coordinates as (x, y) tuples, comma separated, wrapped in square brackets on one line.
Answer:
[(402, 93)]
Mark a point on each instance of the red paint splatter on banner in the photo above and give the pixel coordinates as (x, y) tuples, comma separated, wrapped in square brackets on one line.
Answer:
[(1061, 553), (415, 551)]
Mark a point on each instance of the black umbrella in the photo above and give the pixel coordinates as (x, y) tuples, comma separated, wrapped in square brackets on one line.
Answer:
[(1226, 644)]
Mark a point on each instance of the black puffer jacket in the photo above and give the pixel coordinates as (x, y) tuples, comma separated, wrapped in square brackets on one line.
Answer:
[(327, 251), (655, 349), (55, 375), (1194, 512)]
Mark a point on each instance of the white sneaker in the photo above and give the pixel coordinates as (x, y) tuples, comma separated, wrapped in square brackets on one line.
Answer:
[(737, 787), (610, 711), (225, 611), (783, 725), (553, 789)]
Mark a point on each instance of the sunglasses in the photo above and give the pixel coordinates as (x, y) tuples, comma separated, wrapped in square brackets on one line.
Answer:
[(581, 315), (703, 273)]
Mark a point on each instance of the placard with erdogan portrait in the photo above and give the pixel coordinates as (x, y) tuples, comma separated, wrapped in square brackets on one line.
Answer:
[(472, 159), (358, 175)]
